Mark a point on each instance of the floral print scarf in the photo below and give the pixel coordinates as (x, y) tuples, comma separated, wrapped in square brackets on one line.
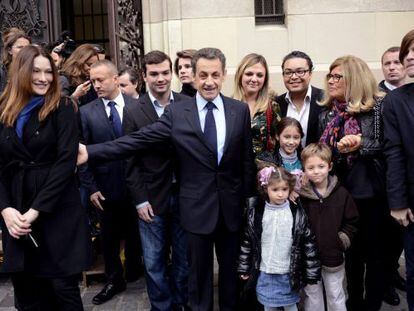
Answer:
[(342, 124)]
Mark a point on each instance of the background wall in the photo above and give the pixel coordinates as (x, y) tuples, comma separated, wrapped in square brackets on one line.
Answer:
[(325, 29)]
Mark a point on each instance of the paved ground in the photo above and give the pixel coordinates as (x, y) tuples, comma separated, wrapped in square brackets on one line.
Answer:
[(133, 299)]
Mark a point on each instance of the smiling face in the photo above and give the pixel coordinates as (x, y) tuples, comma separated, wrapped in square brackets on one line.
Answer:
[(253, 79), (409, 61), (392, 69), (289, 139), (158, 78), (317, 170), (336, 89), (294, 83), (277, 191), (185, 71), (42, 75), (209, 78)]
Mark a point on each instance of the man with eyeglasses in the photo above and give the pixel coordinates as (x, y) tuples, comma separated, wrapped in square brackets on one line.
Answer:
[(300, 102)]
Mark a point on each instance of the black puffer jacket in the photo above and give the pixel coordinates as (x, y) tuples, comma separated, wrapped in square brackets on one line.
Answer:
[(305, 266)]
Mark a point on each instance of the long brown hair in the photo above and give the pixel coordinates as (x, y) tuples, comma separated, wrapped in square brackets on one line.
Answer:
[(19, 89), (74, 65)]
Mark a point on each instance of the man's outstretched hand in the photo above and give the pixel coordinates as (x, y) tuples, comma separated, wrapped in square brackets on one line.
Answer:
[(82, 155)]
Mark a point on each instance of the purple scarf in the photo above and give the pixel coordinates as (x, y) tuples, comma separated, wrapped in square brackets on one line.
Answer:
[(342, 124)]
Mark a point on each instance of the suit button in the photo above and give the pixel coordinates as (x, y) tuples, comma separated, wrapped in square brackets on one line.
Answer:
[(32, 162), (37, 133)]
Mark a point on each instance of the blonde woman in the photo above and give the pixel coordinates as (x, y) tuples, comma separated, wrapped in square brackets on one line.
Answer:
[(352, 127), (251, 85)]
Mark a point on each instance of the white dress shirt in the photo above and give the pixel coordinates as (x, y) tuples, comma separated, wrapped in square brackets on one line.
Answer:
[(119, 105), (219, 119), (303, 115)]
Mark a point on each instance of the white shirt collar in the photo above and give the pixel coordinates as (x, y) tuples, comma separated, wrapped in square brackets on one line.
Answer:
[(119, 100), (307, 99), (389, 85), (201, 102), (155, 102)]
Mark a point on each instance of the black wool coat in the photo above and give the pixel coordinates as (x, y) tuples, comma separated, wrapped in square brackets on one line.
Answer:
[(39, 172)]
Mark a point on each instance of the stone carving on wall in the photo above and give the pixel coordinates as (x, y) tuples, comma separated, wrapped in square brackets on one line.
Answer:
[(23, 14), (129, 33)]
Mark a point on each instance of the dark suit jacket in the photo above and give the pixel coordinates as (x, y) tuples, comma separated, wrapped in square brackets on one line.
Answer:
[(206, 188), (106, 177), (315, 109), (398, 114), (149, 173), (39, 173)]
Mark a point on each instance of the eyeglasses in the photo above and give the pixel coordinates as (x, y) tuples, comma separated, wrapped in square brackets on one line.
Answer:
[(299, 72), (334, 77)]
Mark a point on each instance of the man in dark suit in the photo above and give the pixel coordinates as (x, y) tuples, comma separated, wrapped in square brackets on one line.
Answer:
[(393, 70), (154, 191), (210, 134), (398, 112), (105, 181), (394, 77), (300, 102)]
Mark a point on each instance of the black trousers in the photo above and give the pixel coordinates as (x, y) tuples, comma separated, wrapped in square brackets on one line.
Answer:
[(119, 221), (395, 246), (32, 293), (201, 261), (366, 256)]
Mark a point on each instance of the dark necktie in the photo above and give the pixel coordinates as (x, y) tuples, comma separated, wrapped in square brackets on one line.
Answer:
[(115, 119), (210, 130)]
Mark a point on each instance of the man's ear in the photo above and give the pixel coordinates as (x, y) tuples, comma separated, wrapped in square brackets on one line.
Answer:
[(277, 137), (330, 166)]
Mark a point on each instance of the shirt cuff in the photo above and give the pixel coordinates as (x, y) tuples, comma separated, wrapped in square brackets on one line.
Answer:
[(141, 205)]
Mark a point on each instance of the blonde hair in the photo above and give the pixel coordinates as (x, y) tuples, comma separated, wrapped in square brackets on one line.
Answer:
[(319, 150), (361, 88), (262, 99), (19, 89)]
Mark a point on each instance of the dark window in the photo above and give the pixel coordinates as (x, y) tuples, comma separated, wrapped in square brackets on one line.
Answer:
[(269, 12), (87, 20)]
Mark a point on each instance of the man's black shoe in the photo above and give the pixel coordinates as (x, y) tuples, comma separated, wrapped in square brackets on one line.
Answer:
[(399, 282), (109, 291), (391, 297)]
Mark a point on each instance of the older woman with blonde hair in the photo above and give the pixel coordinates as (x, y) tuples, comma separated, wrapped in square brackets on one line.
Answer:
[(74, 79), (251, 85), (352, 127)]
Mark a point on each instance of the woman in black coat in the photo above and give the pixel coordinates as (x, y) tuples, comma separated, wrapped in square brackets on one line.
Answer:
[(45, 238), (352, 127)]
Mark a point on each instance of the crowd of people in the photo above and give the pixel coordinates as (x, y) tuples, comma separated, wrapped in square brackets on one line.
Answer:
[(306, 197)]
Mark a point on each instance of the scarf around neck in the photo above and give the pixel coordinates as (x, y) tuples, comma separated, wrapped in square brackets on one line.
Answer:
[(25, 114), (342, 124)]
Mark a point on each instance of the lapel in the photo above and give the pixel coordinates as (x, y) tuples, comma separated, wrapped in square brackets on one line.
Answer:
[(191, 114), (230, 121), (32, 125), (147, 108), (102, 116), (283, 105)]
